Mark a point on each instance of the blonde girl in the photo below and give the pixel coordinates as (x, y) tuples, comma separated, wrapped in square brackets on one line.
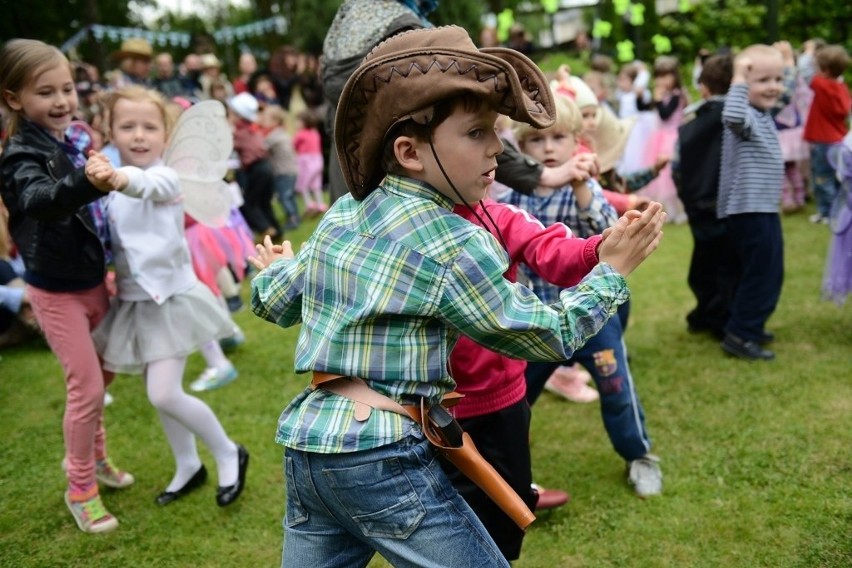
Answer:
[(57, 223), (162, 312)]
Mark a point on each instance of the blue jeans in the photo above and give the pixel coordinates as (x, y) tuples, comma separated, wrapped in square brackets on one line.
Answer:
[(395, 499), (823, 178), (605, 357), (285, 190)]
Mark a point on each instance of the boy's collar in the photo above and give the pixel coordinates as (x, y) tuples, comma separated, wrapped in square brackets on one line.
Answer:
[(411, 187)]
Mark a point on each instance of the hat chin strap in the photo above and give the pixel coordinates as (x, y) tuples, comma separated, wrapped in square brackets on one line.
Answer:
[(482, 223)]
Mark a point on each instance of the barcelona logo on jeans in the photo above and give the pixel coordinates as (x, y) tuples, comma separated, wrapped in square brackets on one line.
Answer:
[(605, 362)]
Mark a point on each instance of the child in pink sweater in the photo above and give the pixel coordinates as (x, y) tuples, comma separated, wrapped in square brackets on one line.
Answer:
[(308, 145)]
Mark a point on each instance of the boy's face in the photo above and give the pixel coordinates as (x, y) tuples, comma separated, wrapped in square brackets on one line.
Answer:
[(765, 81), (624, 82), (467, 146), (552, 147)]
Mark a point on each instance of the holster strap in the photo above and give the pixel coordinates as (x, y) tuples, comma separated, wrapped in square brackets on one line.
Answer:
[(466, 458)]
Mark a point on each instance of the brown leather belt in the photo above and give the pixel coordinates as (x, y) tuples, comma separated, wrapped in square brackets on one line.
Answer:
[(465, 457)]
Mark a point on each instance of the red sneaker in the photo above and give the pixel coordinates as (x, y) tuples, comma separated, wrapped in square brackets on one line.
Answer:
[(549, 498)]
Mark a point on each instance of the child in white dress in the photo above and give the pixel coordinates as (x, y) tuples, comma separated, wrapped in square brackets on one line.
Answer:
[(162, 311)]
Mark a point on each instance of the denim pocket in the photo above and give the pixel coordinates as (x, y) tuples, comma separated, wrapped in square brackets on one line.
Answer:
[(379, 498), (295, 512)]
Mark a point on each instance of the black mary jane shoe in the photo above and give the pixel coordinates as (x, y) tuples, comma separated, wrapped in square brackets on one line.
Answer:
[(227, 495), (194, 483)]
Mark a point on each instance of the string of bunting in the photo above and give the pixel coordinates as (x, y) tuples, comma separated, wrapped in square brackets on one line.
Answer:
[(228, 34)]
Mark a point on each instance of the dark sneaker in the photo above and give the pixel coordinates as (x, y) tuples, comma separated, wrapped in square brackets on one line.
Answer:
[(750, 350), (766, 337)]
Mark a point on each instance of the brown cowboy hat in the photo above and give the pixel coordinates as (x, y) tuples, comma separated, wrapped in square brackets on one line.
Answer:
[(134, 47), (410, 72)]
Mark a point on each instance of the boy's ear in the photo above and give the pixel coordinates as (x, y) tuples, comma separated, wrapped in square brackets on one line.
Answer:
[(405, 150), (12, 100)]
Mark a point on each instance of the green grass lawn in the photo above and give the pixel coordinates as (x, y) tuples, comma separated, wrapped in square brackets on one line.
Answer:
[(756, 456)]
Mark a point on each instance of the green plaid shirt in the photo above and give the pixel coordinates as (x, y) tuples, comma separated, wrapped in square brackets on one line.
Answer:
[(384, 286)]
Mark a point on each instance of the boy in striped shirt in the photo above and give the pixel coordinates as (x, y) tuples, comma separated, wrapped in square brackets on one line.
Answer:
[(750, 183)]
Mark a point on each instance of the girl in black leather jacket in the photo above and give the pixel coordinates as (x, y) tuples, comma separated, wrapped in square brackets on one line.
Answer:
[(60, 230)]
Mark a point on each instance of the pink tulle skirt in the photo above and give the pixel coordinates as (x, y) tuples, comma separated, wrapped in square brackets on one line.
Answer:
[(212, 249), (661, 143), (793, 146)]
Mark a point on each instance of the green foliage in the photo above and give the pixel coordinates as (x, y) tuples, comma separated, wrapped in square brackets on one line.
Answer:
[(755, 455), (714, 24)]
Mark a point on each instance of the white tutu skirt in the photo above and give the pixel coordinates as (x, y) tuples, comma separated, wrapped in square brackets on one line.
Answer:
[(135, 333)]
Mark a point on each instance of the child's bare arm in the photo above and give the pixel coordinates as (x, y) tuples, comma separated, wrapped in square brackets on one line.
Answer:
[(633, 238), (102, 175)]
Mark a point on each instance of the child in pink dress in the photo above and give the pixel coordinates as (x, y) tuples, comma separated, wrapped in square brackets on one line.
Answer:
[(308, 145), (669, 101)]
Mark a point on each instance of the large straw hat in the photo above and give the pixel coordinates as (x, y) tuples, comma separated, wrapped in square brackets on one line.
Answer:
[(405, 75), (610, 138), (134, 47)]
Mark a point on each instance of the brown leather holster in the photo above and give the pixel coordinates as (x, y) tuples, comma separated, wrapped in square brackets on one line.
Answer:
[(465, 457)]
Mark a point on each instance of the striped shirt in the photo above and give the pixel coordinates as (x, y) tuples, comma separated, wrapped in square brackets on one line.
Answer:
[(752, 170), (383, 288), (561, 207)]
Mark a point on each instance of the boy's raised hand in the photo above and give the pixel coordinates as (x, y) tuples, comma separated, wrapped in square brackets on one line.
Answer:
[(633, 238), (267, 253)]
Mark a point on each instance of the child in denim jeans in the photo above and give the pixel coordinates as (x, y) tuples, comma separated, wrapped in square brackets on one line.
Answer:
[(279, 144), (828, 118), (389, 280)]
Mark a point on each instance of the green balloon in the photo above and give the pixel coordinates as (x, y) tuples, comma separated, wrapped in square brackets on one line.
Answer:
[(625, 51), (601, 29)]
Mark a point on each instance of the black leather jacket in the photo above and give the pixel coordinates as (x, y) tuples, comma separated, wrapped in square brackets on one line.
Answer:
[(48, 218)]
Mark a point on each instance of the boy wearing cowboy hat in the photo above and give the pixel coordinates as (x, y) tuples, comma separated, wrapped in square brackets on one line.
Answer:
[(387, 282)]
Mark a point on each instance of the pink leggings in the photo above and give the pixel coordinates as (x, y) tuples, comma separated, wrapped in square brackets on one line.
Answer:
[(68, 319)]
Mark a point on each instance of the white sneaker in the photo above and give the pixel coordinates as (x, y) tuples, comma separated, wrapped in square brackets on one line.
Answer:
[(645, 476), (214, 378)]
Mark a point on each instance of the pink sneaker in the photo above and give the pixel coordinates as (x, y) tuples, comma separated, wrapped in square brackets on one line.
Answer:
[(549, 498), (574, 372), (570, 384)]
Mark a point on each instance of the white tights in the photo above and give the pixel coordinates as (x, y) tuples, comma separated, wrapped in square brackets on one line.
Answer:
[(184, 417)]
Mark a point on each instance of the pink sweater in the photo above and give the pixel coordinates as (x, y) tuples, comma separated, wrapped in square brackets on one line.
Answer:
[(489, 381), (307, 141)]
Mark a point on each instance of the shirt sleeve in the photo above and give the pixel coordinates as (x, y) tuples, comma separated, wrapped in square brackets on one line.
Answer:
[(276, 292), (157, 183), (735, 114), (517, 170), (11, 298), (599, 215), (509, 319), (553, 252)]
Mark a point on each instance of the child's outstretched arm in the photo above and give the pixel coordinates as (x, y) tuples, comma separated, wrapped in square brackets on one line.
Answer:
[(633, 238), (102, 175)]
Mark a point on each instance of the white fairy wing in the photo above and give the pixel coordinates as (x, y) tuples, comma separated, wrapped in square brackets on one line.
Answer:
[(211, 202), (198, 151)]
